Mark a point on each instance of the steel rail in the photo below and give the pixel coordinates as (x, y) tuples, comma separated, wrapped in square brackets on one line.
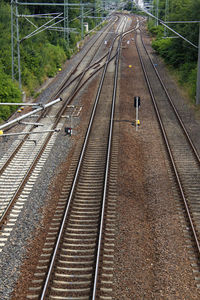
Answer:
[(173, 106), (88, 67), (49, 272), (46, 283), (26, 177), (78, 86), (29, 171), (107, 169), (63, 86), (57, 93), (94, 292), (76, 91), (169, 150)]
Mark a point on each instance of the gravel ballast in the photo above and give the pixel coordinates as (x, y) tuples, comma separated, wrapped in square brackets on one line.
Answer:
[(151, 257)]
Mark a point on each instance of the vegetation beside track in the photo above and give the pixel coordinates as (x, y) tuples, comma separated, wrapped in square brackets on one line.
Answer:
[(177, 53), (41, 56), (180, 56)]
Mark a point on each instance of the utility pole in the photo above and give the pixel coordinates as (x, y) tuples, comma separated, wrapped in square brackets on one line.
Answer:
[(15, 43), (166, 15), (198, 74), (95, 14), (66, 20), (82, 29), (16, 40), (104, 4), (157, 13), (102, 8)]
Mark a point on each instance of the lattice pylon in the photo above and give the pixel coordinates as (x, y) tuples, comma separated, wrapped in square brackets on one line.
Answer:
[(15, 43), (66, 20)]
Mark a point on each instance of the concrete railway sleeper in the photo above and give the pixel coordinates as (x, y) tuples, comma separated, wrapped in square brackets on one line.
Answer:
[(74, 268), (182, 153), (31, 152)]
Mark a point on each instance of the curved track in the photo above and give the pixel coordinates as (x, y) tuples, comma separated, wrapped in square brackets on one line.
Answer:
[(18, 165), (73, 268)]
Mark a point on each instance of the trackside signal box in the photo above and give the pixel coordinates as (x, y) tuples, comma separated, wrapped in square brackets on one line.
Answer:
[(136, 101)]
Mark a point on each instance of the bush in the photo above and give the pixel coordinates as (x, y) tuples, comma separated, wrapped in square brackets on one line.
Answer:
[(41, 55), (53, 57), (171, 50), (188, 76), (9, 92), (157, 31), (185, 71), (161, 46)]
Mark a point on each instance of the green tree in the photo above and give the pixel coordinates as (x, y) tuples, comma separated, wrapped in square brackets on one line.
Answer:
[(41, 55), (9, 92), (177, 52)]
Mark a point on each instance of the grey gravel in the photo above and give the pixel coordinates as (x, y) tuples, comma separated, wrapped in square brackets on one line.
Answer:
[(14, 252)]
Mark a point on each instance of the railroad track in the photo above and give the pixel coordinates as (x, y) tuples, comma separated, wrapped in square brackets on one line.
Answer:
[(75, 236), (22, 166), (184, 158), (74, 74)]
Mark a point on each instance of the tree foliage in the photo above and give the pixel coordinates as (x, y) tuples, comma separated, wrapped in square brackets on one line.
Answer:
[(176, 51), (41, 55), (9, 92)]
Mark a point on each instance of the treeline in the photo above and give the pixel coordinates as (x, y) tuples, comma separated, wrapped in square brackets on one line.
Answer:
[(131, 6), (175, 51), (9, 91), (41, 55)]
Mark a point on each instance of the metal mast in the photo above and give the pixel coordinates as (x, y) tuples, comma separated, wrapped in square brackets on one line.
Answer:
[(157, 11), (82, 28), (52, 24), (66, 20), (166, 15), (198, 74), (15, 43)]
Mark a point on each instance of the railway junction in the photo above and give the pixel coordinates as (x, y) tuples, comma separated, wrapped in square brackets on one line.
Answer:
[(104, 204)]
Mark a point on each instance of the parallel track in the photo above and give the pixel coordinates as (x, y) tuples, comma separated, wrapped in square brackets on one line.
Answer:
[(183, 155), (74, 266), (67, 82), (15, 187)]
